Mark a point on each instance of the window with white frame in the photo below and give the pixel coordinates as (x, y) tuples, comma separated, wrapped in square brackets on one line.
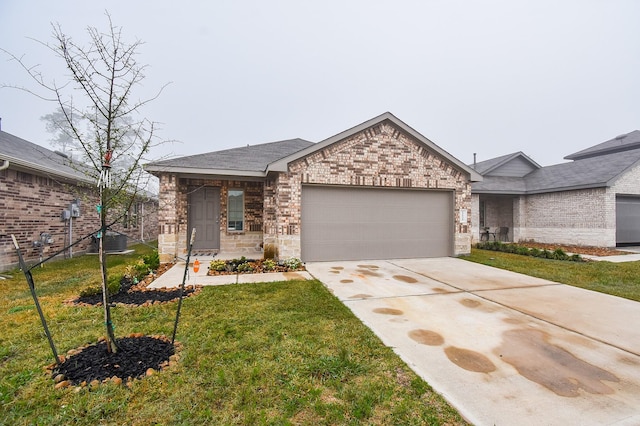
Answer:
[(235, 210)]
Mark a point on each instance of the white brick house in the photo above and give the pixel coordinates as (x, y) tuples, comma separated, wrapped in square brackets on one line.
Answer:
[(593, 200), (378, 190)]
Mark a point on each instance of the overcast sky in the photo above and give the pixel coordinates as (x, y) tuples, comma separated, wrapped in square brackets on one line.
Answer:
[(546, 77)]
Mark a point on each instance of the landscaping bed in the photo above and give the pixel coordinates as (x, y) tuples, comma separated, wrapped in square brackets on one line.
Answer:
[(253, 266), (588, 250)]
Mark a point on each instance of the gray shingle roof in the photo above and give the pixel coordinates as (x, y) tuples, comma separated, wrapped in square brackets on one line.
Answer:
[(35, 157), (589, 172), (254, 158), (486, 166), (620, 143)]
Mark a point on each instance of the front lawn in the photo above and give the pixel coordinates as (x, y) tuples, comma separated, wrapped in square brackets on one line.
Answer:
[(276, 353), (618, 279)]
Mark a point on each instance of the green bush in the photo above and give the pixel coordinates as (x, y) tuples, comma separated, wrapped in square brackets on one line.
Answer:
[(292, 263), (217, 265), (557, 254), (244, 267), (269, 265)]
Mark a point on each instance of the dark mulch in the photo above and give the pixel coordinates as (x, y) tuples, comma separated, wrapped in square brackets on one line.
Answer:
[(135, 357), (137, 296)]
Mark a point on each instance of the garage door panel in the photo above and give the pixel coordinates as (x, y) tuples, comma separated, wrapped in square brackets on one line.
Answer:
[(356, 223), (627, 220)]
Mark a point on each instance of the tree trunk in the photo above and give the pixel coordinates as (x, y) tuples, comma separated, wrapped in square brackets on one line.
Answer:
[(111, 340)]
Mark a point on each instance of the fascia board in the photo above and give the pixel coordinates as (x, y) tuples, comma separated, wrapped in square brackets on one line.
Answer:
[(204, 172), (46, 170)]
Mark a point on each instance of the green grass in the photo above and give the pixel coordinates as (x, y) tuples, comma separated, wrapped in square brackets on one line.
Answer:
[(277, 353), (618, 279)]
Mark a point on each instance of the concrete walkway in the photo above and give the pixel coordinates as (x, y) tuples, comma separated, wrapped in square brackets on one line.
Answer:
[(502, 348), (174, 276)]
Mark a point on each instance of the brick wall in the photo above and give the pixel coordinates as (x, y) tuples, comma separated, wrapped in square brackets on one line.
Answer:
[(174, 216), (583, 217), (381, 156), (31, 204)]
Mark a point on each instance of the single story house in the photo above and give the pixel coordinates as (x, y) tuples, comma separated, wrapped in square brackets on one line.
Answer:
[(46, 202), (378, 190), (593, 200)]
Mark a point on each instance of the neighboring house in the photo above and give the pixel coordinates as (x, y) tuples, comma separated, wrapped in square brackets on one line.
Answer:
[(593, 200), (36, 186), (379, 190)]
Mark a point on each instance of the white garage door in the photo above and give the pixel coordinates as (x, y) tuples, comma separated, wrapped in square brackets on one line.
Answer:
[(340, 223), (627, 220)]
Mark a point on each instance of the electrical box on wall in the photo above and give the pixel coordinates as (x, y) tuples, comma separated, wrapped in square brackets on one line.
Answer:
[(74, 207), (65, 215)]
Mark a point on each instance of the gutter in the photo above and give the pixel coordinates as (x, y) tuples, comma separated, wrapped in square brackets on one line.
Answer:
[(4, 166)]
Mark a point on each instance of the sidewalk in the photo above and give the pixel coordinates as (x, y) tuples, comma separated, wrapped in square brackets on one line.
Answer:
[(174, 276)]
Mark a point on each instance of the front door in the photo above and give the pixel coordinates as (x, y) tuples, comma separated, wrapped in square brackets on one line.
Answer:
[(204, 216)]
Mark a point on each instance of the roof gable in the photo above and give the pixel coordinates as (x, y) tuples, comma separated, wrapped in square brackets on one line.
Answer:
[(282, 164), (626, 142), (511, 165)]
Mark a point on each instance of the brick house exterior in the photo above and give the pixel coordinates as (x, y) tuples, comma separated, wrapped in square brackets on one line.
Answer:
[(36, 185), (593, 200), (382, 153)]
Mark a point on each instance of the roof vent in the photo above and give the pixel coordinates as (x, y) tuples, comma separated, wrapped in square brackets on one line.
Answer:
[(61, 154), (621, 137)]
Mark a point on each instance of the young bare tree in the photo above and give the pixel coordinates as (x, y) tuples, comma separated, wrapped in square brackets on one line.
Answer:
[(106, 73)]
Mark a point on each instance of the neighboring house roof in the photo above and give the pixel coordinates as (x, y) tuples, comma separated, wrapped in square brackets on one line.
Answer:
[(492, 165), (29, 156), (594, 168), (621, 143), (251, 160), (281, 165)]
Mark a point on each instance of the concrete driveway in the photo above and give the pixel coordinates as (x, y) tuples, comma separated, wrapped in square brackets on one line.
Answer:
[(503, 348)]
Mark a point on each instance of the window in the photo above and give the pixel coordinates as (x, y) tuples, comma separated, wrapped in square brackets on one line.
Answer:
[(482, 214), (235, 210)]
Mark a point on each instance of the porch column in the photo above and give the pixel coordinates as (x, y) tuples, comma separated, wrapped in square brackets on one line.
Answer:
[(168, 218), (519, 219)]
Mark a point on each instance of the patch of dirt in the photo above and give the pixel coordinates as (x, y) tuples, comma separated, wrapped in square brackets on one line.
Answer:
[(588, 250), (138, 356)]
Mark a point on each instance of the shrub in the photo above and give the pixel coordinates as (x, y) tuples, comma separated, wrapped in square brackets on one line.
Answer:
[(557, 254), (152, 260), (270, 251), (217, 265), (244, 267), (292, 263), (268, 264)]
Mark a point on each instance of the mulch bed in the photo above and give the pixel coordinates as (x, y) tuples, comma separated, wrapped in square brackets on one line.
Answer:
[(138, 356), (588, 250), (138, 294)]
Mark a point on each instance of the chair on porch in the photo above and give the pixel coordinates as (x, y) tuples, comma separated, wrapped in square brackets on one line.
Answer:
[(503, 233), (488, 233)]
